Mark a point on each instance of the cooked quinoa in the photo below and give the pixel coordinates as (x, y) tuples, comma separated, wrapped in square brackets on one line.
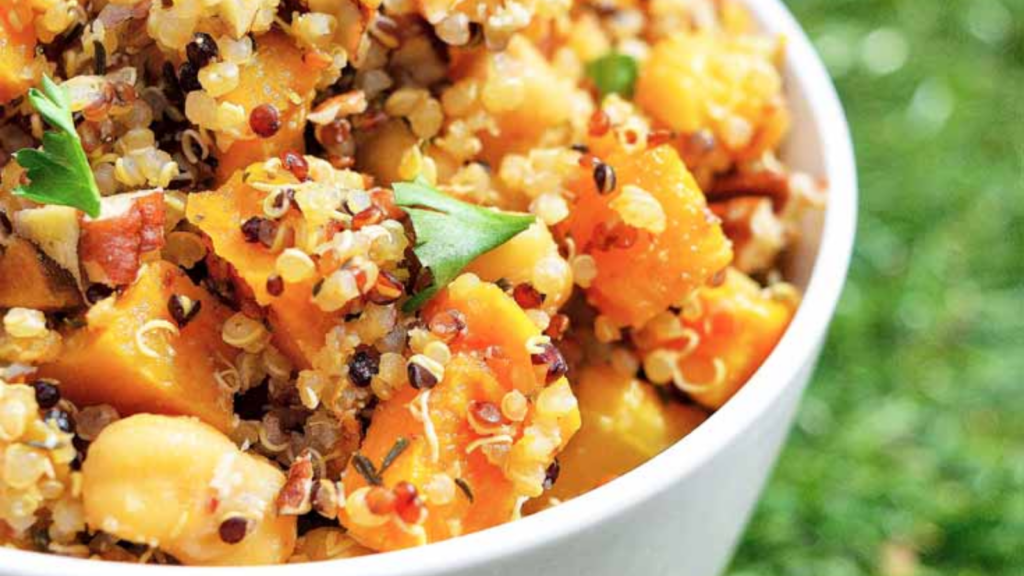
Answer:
[(289, 281)]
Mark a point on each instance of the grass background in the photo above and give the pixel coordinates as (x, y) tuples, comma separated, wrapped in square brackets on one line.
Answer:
[(908, 456)]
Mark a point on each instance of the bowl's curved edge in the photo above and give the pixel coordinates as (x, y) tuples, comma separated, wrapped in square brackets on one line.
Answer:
[(778, 371)]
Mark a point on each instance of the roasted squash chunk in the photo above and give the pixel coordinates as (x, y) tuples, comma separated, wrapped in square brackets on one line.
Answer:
[(625, 423), (653, 239), (18, 67), (531, 257), (492, 426), (729, 330), (280, 77), (131, 357), (726, 85), (172, 481), (520, 89), (28, 279), (299, 326)]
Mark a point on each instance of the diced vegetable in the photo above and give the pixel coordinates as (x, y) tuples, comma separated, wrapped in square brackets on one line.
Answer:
[(448, 459), (531, 257), (299, 326), (728, 85), (736, 325), (134, 356), (280, 77), (28, 279), (18, 67), (173, 482), (642, 272), (625, 423), (525, 94), (55, 230)]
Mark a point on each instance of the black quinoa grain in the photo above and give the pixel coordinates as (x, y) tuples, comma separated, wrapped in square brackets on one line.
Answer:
[(47, 394), (604, 178), (99, 60), (552, 358), (183, 309), (234, 529), (201, 50), (96, 292), (363, 366), (551, 474), (188, 78), (251, 229), (420, 377)]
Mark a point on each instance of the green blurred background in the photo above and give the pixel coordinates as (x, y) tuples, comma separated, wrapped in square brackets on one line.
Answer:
[(908, 455)]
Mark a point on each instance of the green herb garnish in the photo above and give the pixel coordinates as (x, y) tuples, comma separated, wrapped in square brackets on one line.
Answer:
[(450, 234), (60, 172), (614, 73)]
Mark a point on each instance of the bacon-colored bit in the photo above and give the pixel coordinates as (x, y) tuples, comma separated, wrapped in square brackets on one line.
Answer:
[(368, 217), (295, 498), (599, 123), (340, 106), (386, 290), (557, 326), (111, 246), (385, 200), (773, 184), (527, 296)]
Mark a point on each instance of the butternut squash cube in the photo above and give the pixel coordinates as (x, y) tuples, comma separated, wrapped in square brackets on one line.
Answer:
[(498, 466), (299, 326), (625, 423), (28, 279), (278, 75), (640, 272), (129, 355), (18, 66)]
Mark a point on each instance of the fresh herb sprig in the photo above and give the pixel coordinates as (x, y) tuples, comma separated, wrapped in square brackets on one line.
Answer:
[(450, 234), (60, 172), (614, 73)]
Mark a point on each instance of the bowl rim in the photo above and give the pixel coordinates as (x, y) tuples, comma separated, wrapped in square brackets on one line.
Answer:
[(796, 349)]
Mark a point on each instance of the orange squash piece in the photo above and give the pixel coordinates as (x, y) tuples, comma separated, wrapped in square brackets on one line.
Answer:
[(279, 76), (299, 326), (490, 360), (103, 363), (28, 279), (737, 325), (625, 423), (542, 101), (726, 84), (640, 273), (18, 67)]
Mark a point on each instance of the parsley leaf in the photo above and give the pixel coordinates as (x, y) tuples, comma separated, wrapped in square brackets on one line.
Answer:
[(60, 172), (614, 73), (451, 233)]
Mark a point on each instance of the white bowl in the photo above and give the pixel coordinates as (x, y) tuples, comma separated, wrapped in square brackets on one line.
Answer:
[(682, 512)]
